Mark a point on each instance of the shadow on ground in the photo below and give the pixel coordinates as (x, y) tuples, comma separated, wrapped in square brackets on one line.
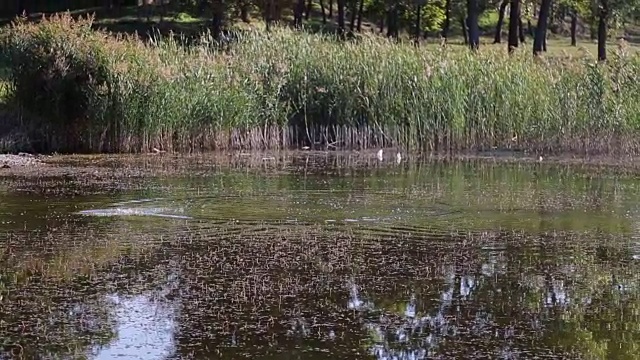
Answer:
[(136, 20)]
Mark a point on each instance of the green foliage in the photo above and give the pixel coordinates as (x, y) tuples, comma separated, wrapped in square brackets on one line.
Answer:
[(432, 16), (101, 93), (488, 20), (581, 7)]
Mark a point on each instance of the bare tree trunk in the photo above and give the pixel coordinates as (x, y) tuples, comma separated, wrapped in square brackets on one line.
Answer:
[(341, 5), (308, 12), (392, 21), (218, 18), (354, 14), (269, 14), (19, 9), (514, 16), (417, 39), (202, 6), (360, 11), (331, 9), (298, 14), (541, 29), (603, 17), (244, 12), (447, 19), (498, 36), (574, 26), (324, 13), (472, 24)]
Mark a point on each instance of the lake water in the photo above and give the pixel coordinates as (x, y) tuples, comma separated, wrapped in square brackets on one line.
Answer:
[(315, 261)]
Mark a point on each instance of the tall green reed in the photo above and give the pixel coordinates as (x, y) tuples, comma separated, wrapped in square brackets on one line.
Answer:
[(99, 92)]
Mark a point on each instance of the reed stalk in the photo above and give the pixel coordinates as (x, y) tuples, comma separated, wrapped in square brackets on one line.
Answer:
[(103, 93)]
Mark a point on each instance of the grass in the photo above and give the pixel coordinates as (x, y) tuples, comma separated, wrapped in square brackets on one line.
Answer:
[(99, 93)]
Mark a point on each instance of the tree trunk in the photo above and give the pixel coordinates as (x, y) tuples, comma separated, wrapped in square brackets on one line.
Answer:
[(269, 13), (498, 36), (354, 14), (392, 21), (472, 24), (308, 12), (331, 9), (360, 11), (521, 34), (541, 29), (217, 18), (381, 24), (574, 26), (298, 14), (341, 4), (244, 12), (465, 33), (202, 6), (514, 16), (447, 19), (20, 9), (417, 40), (324, 13), (603, 17)]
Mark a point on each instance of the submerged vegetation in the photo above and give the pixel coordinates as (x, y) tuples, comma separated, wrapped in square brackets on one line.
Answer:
[(88, 91)]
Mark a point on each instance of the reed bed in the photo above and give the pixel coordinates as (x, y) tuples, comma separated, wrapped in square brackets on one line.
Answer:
[(103, 93)]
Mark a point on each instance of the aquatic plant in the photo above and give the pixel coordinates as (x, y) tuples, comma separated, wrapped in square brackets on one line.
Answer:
[(99, 92)]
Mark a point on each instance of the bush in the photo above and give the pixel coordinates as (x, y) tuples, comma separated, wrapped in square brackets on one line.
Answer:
[(104, 93)]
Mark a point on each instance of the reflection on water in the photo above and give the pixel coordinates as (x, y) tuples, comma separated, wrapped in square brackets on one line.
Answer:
[(141, 211), (145, 324), (444, 261), (145, 329)]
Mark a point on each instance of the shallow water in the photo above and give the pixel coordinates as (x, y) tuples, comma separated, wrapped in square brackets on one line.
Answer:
[(432, 260)]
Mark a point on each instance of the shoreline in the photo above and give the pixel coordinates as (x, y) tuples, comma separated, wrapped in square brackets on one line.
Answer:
[(102, 167)]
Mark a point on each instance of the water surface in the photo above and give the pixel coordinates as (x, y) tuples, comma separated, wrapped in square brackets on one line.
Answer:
[(404, 261)]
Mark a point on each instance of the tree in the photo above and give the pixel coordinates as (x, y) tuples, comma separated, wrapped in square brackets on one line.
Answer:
[(514, 22), (217, 21), (447, 21), (392, 19), (419, 4), (603, 18), (298, 14), (360, 11), (541, 29), (341, 6), (608, 12), (472, 24), (501, 11), (576, 9)]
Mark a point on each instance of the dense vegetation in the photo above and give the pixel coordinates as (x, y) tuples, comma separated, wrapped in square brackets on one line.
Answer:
[(77, 89), (96, 92), (395, 18)]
